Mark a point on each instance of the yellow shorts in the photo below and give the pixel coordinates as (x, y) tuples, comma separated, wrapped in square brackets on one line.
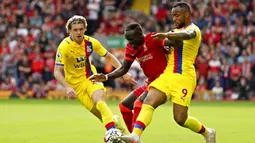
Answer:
[(85, 90), (178, 88)]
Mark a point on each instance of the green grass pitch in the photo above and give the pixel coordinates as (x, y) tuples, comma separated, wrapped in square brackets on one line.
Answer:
[(65, 121)]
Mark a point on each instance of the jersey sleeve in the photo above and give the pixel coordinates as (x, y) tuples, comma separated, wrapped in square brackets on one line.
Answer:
[(193, 29), (128, 54), (161, 43), (198, 32), (61, 55), (98, 47)]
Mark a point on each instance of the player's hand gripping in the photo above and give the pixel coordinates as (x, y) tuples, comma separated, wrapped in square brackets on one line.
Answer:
[(129, 79), (97, 78), (71, 94), (159, 36)]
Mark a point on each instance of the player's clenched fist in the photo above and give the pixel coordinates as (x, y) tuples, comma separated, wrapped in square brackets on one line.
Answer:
[(98, 78), (71, 94)]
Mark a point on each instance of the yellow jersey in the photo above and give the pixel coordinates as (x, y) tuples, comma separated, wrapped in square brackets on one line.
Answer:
[(182, 58), (75, 58)]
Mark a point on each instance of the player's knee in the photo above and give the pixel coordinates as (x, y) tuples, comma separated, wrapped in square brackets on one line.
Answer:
[(155, 98), (138, 103), (124, 107), (152, 102), (98, 95), (121, 106)]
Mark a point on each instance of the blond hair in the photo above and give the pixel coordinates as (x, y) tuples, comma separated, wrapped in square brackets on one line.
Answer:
[(76, 19)]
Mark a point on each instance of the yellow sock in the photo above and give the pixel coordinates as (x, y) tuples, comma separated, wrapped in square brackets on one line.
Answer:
[(194, 125), (106, 115), (143, 119)]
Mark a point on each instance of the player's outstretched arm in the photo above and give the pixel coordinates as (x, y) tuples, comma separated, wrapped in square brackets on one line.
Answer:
[(178, 35), (121, 71), (115, 74), (115, 62)]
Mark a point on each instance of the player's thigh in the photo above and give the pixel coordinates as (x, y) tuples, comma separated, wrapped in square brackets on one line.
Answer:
[(89, 104), (162, 83), (155, 97), (182, 88), (84, 97), (96, 91)]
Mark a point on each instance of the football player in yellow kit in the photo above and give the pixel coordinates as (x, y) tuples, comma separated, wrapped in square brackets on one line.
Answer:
[(73, 58)]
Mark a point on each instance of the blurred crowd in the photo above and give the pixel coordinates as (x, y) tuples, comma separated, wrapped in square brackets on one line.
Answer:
[(30, 32)]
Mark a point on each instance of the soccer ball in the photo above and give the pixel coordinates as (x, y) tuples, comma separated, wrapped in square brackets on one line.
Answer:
[(110, 133)]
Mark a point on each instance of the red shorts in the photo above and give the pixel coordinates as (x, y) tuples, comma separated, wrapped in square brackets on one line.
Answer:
[(140, 90)]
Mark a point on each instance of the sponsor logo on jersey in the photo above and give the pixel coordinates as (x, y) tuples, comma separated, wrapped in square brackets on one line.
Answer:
[(145, 58), (79, 65), (80, 59)]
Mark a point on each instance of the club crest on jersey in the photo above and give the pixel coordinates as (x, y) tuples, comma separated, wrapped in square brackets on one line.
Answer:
[(89, 48), (145, 47)]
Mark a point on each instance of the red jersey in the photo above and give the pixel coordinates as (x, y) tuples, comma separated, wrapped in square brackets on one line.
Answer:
[(151, 57)]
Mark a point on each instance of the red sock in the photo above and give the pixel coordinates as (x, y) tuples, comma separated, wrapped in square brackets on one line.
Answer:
[(110, 125), (127, 115), (137, 108)]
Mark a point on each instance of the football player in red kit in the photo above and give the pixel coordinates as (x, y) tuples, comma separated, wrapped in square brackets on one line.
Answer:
[(151, 55)]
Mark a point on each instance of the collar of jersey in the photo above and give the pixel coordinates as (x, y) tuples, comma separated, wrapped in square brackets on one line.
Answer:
[(76, 44), (184, 27)]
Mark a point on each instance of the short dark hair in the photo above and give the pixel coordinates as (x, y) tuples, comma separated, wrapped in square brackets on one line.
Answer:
[(183, 5), (132, 26)]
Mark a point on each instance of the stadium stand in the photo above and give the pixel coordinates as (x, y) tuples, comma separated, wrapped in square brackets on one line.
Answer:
[(31, 30)]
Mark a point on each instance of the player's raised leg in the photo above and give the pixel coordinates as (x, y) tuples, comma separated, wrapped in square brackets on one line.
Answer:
[(126, 107), (138, 106), (95, 110), (101, 106), (181, 95), (181, 117), (152, 101)]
